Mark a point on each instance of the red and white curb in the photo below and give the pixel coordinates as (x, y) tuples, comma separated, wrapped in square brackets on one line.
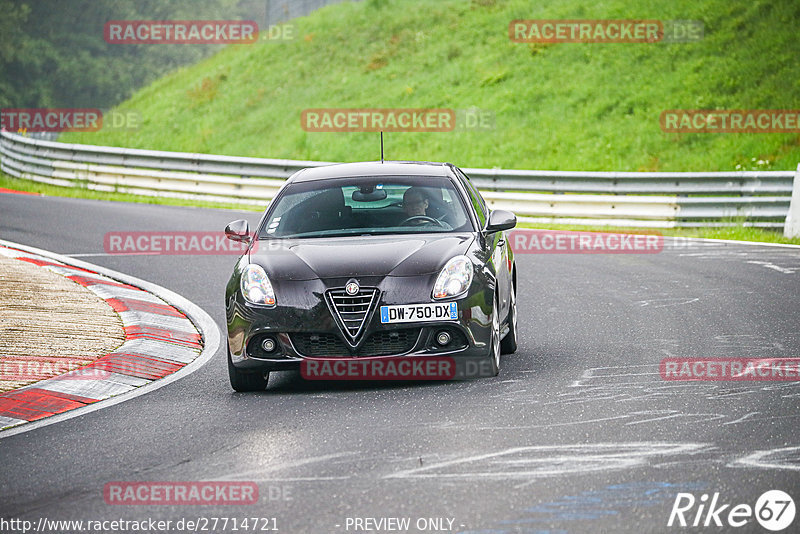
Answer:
[(15, 192), (166, 338)]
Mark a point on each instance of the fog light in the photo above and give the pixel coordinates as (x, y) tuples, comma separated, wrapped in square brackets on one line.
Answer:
[(443, 338), (268, 344)]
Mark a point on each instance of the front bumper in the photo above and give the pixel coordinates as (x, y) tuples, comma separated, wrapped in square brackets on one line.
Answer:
[(303, 326)]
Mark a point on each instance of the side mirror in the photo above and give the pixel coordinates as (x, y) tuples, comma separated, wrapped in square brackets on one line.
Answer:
[(500, 220), (238, 231)]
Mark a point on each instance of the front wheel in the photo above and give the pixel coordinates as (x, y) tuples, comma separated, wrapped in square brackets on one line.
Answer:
[(509, 343), (244, 381), (494, 350)]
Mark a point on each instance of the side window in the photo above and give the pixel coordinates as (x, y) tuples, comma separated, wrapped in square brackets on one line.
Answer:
[(475, 198)]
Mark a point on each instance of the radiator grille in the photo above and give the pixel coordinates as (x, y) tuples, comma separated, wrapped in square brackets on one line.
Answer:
[(383, 343)]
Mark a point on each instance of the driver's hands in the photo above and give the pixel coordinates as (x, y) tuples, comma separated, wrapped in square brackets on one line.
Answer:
[(426, 220)]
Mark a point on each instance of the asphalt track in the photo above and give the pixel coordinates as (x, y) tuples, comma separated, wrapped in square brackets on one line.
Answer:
[(579, 433)]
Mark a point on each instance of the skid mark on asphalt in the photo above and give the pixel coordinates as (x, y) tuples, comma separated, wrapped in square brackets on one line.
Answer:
[(782, 260), (524, 464), (741, 419), (782, 458), (626, 384), (268, 473), (747, 342), (667, 302), (662, 415), (714, 254), (727, 345), (768, 265), (614, 500), (554, 460), (580, 422)]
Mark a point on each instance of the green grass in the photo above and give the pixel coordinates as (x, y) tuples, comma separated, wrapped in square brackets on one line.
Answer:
[(562, 106)]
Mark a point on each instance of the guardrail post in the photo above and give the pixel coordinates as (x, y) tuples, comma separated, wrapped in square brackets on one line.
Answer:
[(792, 226)]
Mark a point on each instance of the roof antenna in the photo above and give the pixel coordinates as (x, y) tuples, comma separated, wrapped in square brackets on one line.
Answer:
[(381, 147)]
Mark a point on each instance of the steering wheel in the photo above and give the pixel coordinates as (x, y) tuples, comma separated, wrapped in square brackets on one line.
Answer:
[(424, 218)]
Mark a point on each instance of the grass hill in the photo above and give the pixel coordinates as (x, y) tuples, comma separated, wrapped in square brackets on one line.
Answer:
[(557, 106)]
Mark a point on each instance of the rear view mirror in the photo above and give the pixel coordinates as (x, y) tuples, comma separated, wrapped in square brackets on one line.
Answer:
[(238, 231), (372, 196)]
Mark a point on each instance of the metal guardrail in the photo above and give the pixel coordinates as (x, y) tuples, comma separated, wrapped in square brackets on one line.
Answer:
[(654, 199)]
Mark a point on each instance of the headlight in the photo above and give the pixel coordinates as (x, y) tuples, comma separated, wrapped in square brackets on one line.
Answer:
[(454, 279), (256, 287)]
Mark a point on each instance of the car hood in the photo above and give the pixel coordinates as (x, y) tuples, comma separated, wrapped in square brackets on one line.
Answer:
[(309, 259)]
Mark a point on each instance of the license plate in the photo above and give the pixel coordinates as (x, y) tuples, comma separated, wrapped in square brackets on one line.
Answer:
[(413, 313)]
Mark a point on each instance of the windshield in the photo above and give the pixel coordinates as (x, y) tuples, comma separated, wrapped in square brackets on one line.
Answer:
[(366, 205)]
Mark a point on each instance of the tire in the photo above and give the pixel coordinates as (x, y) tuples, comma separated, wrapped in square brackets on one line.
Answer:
[(244, 381), (509, 343), (494, 349)]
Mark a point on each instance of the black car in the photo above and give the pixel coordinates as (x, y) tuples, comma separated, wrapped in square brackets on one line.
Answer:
[(371, 260)]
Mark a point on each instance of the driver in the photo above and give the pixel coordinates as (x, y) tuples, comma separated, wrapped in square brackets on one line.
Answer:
[(415, 202)]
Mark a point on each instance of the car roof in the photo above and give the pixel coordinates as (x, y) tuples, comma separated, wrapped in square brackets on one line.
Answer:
[(371, 168)]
